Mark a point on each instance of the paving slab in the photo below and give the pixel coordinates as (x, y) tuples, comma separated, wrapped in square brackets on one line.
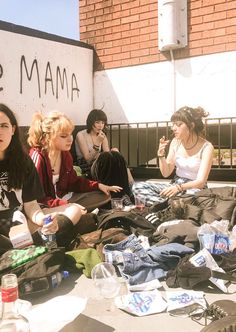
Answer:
[(100, 315)]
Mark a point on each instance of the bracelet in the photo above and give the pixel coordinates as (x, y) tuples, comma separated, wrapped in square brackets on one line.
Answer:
[(96, 147), (178, 188), (161, 156)]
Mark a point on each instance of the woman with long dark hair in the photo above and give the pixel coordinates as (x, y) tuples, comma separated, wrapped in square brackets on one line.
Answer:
[(20, 186)]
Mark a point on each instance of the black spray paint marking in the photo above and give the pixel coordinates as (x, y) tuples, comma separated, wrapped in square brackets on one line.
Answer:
[(60, 79)]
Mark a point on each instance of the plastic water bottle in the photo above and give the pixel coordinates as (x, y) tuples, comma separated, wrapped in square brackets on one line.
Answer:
[(56, 278), (49, 239), (43, 284), (11, 320), (232, 239)]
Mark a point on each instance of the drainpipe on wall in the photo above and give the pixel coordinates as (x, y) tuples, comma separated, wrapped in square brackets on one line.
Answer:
[(172, 33), (173, 78)]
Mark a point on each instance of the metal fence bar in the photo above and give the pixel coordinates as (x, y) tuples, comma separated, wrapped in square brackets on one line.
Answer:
[(141, 148)]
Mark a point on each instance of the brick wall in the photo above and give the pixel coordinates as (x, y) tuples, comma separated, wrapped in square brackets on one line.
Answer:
[(125, 32)]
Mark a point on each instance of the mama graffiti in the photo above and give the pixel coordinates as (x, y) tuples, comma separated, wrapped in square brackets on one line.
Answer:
[(52, 84)]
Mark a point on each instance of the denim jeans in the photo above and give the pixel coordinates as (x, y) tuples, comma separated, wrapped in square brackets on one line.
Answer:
[(139, 265)]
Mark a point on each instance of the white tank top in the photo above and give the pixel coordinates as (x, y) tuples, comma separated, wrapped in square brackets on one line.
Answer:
[(55, 178), (187, 167)]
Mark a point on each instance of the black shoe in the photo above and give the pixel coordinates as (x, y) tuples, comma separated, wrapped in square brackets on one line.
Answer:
[(226, 324)]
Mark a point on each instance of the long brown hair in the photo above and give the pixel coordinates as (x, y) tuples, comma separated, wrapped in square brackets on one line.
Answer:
[(16, 159)]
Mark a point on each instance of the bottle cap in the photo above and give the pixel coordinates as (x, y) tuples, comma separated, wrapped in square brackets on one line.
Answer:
[(65, 274), (47, 220)]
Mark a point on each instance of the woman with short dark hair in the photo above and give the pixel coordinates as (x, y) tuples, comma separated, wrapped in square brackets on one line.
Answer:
[(90, 142), (94, 116), (97, 160)]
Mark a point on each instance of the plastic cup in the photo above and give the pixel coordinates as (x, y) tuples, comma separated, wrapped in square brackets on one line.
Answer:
[(117, 204), (140, 202), (105, 279)]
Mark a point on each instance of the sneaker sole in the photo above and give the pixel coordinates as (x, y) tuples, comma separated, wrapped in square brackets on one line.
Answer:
[(226, 324)]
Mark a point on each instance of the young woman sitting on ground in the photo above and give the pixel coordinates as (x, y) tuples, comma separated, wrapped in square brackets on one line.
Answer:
[(190, 154), (20, 186), (50, 139), (90, 142), (97, 160)]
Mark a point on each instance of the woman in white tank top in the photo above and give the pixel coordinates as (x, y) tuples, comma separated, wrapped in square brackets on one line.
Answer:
[(190, 154)]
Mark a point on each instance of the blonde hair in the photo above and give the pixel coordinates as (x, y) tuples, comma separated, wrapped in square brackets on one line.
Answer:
[(44, 128)]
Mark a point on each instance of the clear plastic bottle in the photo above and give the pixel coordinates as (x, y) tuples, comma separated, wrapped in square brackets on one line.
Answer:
[(56, 278), (49, 239), (232, 239), (43, 284), (11, 320)]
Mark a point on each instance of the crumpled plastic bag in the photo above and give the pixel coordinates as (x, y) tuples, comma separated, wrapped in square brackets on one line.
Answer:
[(141, 303), (215, 237), (185, 302)]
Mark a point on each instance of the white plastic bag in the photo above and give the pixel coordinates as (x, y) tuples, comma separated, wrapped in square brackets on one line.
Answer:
[(185, 302), (141, 303), (214, 237)]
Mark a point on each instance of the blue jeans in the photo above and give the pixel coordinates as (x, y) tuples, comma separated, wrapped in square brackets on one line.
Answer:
[(139, 265)]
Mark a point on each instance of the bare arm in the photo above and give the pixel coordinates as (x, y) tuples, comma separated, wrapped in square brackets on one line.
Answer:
[(167, 165), (35, 215), (105, 145)]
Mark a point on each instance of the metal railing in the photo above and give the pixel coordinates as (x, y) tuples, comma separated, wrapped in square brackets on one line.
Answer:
[(138, 142)]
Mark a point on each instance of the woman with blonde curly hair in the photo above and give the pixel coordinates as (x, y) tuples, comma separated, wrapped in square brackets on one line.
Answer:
[(50, 139)]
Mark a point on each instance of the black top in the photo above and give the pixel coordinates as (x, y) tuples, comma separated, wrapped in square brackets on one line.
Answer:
[(14, 198)]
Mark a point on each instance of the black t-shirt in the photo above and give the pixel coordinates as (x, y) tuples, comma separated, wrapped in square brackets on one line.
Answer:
[(14, 198)]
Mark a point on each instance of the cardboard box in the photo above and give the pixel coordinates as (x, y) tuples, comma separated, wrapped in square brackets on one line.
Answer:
[(20, 236)]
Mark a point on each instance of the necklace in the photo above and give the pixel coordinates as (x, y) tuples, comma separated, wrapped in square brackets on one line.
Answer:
[(193, 146), (53, 165)]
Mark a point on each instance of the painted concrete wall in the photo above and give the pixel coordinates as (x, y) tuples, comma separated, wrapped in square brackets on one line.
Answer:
[(38, 74), (152, 92), (31, 79)]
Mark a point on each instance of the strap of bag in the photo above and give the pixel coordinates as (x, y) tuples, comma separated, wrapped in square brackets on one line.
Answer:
[(108, 237), (133, 217), (223, 275), (106, 217)]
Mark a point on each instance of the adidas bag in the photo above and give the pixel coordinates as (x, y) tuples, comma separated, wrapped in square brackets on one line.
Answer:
[(132, 221)]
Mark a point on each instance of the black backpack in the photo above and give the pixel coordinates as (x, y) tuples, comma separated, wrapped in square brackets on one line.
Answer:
[(132, 221), (33, 266)]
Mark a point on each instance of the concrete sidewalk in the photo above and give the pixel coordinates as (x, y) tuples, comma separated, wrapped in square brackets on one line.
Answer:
[(100, 316)]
